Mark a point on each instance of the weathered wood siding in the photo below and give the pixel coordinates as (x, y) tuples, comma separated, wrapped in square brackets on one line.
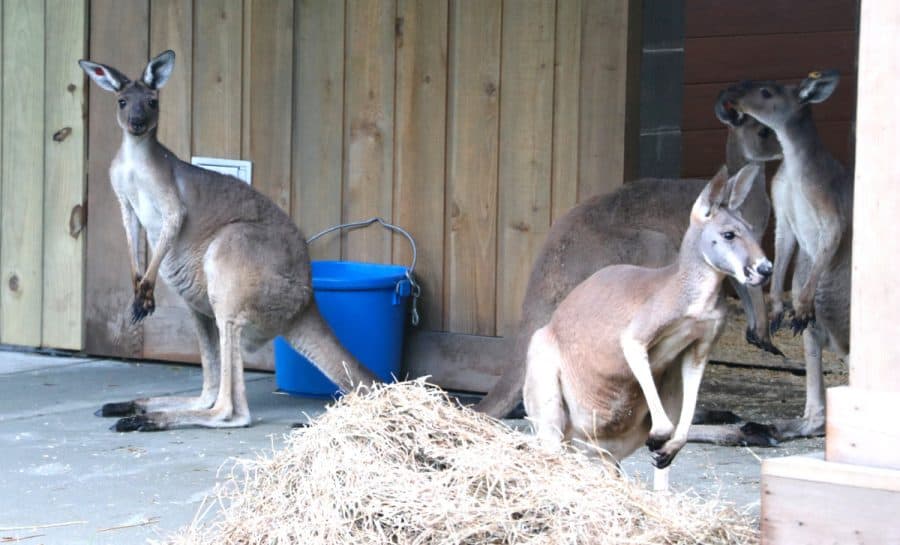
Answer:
[(471, 123), (42, 178)]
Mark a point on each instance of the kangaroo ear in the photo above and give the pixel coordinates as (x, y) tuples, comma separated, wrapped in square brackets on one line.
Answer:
[(818, 86), (159, 69), (742, 183), (106, 77), (712, 197)]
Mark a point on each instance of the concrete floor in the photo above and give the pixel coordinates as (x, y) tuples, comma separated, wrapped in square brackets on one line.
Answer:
[(66, 479)]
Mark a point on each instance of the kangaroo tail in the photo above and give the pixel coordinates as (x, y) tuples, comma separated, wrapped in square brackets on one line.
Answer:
[(312, 337), (506, 394)]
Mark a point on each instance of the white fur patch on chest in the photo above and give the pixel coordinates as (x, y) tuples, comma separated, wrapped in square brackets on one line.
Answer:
[(131, 183)]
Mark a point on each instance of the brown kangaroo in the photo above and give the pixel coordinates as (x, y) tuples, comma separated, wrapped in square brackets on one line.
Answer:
[(812, 196), (641, 223), (236, 259), (631, 342)]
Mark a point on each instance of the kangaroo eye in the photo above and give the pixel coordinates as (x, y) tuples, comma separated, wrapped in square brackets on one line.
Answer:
[(728, 235), (765, 93), (153, 103), (122, 103)]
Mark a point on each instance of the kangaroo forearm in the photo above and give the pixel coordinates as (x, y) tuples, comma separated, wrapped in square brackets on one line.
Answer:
[(639, 362), (170, 230), (132, 237), (828, 247), (784, 250)]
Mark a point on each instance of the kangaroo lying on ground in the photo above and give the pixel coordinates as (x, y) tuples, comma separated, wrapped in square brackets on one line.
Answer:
[(641, 223), (236, 259), (812, 195), (626, 349)]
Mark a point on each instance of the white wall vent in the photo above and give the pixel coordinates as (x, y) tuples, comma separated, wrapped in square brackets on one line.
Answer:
[(233, 167)]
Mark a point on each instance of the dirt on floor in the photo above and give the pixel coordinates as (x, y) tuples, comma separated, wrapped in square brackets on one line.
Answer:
[(758, 385)]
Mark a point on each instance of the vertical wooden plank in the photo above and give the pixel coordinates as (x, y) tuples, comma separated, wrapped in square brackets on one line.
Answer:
[(472, 163), (64, 174), (369, 125), (23, 173), (270, 80), (108, 289), (607, 63), (217, 78), (875, 306), (567, 73), (169, 334), (171, 27), (421, 143), (526, 126), (317, 169)]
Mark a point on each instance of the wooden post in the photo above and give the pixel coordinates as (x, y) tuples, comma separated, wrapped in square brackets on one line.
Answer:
[(853, 495)]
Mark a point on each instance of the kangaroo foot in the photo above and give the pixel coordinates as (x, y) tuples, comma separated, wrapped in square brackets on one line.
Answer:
[(800, 428), (144, 303), (123, 408), (140, 422), (764, 344), (758, 435)]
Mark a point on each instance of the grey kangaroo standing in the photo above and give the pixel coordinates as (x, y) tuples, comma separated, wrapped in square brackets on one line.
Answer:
[(812, 196), (641, 223), (623, 354), (236, 259)]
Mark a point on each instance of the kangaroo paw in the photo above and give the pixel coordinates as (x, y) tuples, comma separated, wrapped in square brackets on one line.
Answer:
[(775, 322), (801, 322), (123, 408), (656, 441), (141, 422), (662, 459), (144, 303)]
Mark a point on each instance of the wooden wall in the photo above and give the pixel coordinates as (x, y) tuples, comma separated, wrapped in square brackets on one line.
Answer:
[(42, 172), (783, 40), (471, 123)]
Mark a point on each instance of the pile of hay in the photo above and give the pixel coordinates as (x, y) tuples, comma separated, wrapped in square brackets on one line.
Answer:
[(402, 464)]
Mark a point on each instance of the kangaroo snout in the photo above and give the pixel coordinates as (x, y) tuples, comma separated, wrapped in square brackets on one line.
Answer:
[(759, 273), (137, 126)]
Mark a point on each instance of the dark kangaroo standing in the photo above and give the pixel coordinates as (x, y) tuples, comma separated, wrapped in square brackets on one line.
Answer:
[(236, 259), (641, 223), (812, 197)]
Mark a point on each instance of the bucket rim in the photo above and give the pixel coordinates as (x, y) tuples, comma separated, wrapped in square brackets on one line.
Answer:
[(388, 278)]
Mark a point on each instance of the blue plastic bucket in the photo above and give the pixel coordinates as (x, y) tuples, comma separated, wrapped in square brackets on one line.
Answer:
[(365, 304)]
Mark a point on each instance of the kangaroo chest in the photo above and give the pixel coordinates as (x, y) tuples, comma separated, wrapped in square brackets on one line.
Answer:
[(679, 336), (132, 183)]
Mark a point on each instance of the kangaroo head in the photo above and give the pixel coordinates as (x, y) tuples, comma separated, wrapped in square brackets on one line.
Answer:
[(722, 237), (138, 100), (774, 104), (755, 141)]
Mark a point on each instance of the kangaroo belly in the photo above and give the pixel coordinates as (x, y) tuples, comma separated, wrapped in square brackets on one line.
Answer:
[(186, 278)]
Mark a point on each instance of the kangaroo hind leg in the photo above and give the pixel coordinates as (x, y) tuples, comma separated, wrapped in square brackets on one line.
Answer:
[(542, 393), (208, 336)]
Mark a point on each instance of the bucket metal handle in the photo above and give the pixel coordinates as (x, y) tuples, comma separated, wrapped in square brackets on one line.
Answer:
[(415, 289)]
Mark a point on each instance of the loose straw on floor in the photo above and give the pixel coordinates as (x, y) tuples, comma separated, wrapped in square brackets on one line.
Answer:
[(402, 464)]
